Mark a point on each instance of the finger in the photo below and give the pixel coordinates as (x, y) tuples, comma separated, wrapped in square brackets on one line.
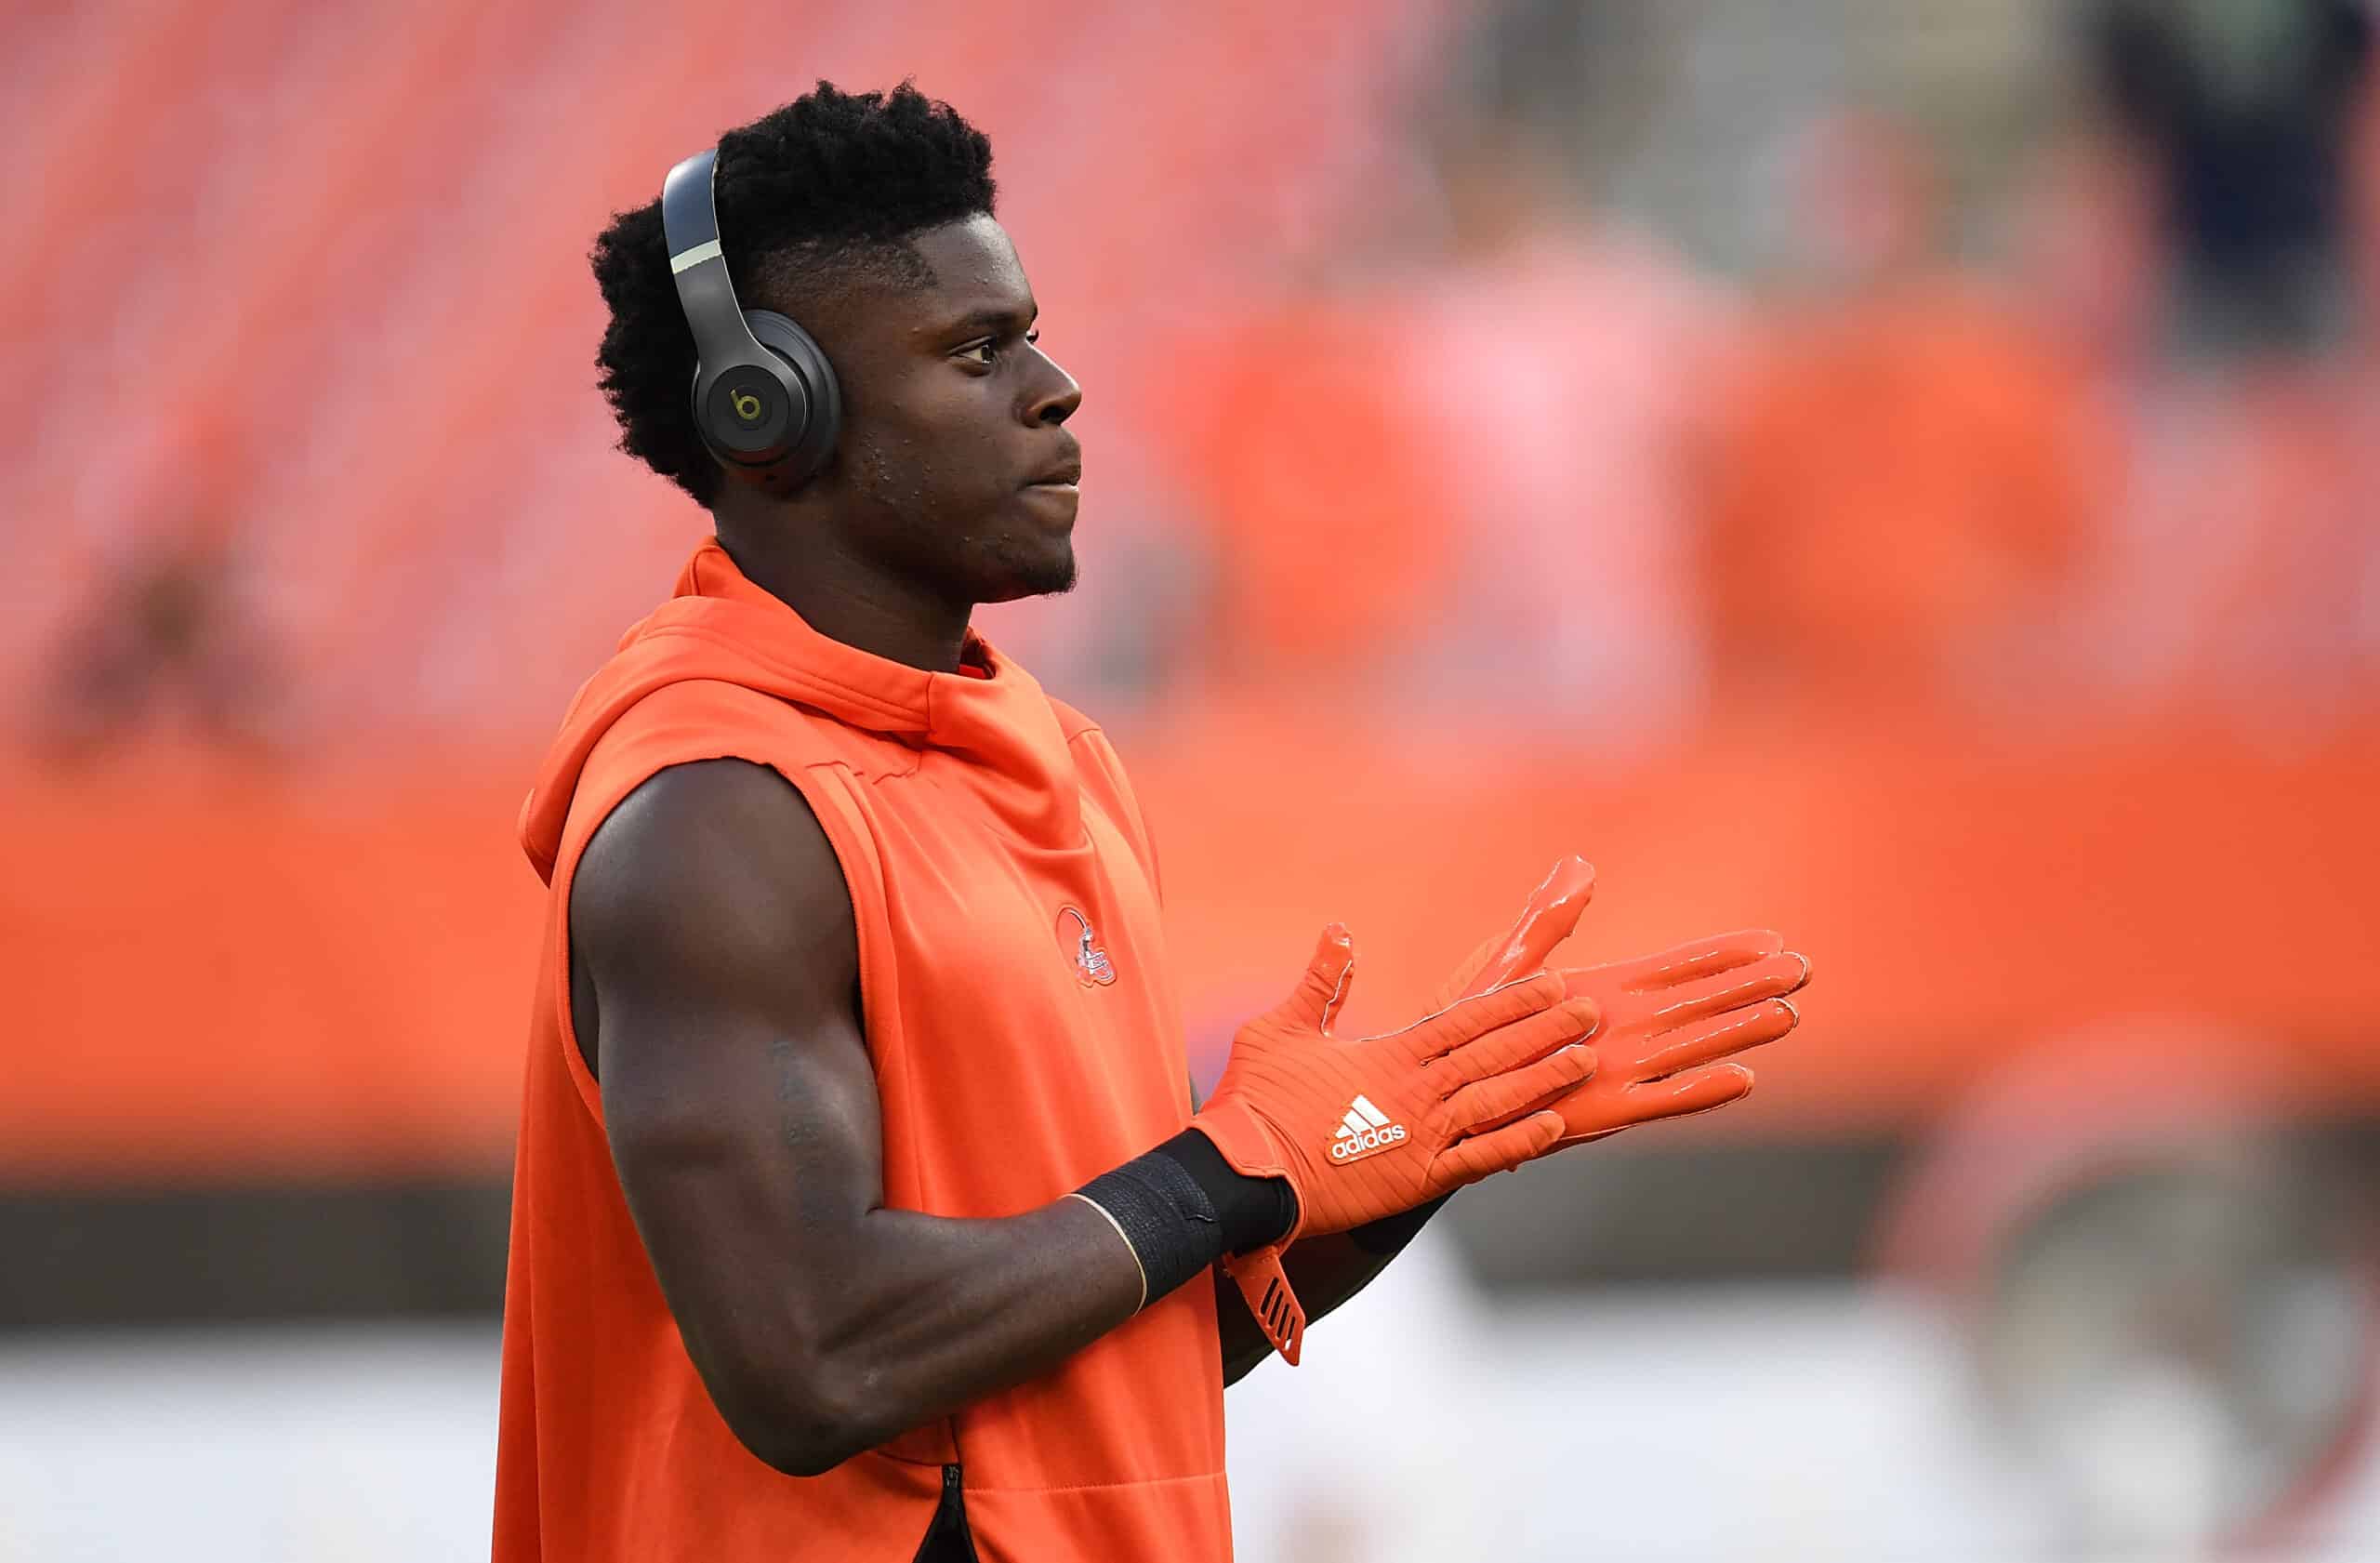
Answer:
[(1500, 1150), (1551, 916), (1746, 986), (1697, 1091), (1450, 1029), (1319, 993), (1509, 1047), (1499, 1097), (1717, 1037), (1686, 962)]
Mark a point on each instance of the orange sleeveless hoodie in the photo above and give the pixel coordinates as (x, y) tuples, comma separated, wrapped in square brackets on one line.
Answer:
[(1023, 1033)]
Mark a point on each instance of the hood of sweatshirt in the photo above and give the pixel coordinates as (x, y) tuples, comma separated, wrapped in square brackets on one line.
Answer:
[(997, 736)]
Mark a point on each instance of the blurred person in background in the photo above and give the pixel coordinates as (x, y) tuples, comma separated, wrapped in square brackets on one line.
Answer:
[(166, 639), (1896, 477), (1473, 423), (1306, 464), (1570, 352), (2249, 563), (2137, 471), (2244, 112), (2079, 305)]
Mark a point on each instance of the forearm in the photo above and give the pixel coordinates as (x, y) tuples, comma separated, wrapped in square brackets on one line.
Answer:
[(927, 1314), (888, 1319)]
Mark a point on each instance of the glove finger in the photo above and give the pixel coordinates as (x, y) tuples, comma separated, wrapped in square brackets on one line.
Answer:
[(1498, 1097), (1686, 962), (1746, 986), (1450, 1029), (1718, 1037), (1319, 993), (1499, 1150), (1697, 1090), (1468, 977), (1509, 1047), (1551, 916)]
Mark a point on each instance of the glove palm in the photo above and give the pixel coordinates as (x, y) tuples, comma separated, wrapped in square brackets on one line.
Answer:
[(1667, 1020)]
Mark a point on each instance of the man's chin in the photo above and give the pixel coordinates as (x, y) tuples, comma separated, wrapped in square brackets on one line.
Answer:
[(1047, 576)]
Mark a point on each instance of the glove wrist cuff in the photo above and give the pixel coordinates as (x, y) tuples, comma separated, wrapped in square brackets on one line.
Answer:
[(1243, 1139)]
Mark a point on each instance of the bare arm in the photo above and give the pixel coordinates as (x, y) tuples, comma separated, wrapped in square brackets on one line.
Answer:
[(712, 941)]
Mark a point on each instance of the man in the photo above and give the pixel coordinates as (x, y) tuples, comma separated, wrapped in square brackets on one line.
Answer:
[(861, 1210)]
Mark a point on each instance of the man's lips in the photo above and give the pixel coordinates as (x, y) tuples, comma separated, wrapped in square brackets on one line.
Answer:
[(1066, 474)]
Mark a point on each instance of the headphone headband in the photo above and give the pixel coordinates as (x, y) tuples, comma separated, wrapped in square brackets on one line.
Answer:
[(689, 226)]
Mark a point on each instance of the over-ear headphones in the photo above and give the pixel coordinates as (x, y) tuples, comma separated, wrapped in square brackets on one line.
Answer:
[(765, 398)]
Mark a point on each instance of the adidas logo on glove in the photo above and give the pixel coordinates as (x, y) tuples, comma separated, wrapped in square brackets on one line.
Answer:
[(1364, 1132)]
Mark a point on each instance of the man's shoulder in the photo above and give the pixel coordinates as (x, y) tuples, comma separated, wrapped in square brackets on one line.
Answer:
[(1100, 771), (718, 718), (1072, 722), (716, 845), (1089, 743)]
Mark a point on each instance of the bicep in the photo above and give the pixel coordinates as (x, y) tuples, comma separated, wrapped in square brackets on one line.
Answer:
[(739, 1098)]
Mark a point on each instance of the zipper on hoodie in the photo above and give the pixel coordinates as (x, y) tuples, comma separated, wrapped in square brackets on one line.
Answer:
[(947, 1539)]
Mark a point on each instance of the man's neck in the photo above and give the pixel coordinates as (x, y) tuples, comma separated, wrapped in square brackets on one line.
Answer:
[(846, 601)]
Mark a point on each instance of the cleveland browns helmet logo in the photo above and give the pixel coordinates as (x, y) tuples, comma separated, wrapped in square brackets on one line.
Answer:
[(1092, 968)]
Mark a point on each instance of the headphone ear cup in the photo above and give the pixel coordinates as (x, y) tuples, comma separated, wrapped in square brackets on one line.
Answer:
[(814, 442)]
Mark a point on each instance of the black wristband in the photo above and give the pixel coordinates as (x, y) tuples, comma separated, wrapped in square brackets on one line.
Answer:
[(1383, 1237), (1181, 1206)]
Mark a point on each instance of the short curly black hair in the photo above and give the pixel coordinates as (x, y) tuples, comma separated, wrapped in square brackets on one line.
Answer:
[(826, 190)]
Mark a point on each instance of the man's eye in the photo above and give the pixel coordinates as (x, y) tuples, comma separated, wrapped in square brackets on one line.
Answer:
[(987, 352)]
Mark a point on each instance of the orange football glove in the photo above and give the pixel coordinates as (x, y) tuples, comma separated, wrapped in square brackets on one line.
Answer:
[(1667, 1019), (1366, 1129)]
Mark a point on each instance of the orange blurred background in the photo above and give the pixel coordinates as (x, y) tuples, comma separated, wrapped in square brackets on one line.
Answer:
[(1907, 475), (2017, 653)]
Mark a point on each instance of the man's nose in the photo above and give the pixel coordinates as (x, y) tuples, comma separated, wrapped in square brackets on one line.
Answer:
[(1055, 401)]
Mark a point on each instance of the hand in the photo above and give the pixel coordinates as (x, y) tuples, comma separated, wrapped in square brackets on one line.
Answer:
[(1366, 1129), (1667, 1019)]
